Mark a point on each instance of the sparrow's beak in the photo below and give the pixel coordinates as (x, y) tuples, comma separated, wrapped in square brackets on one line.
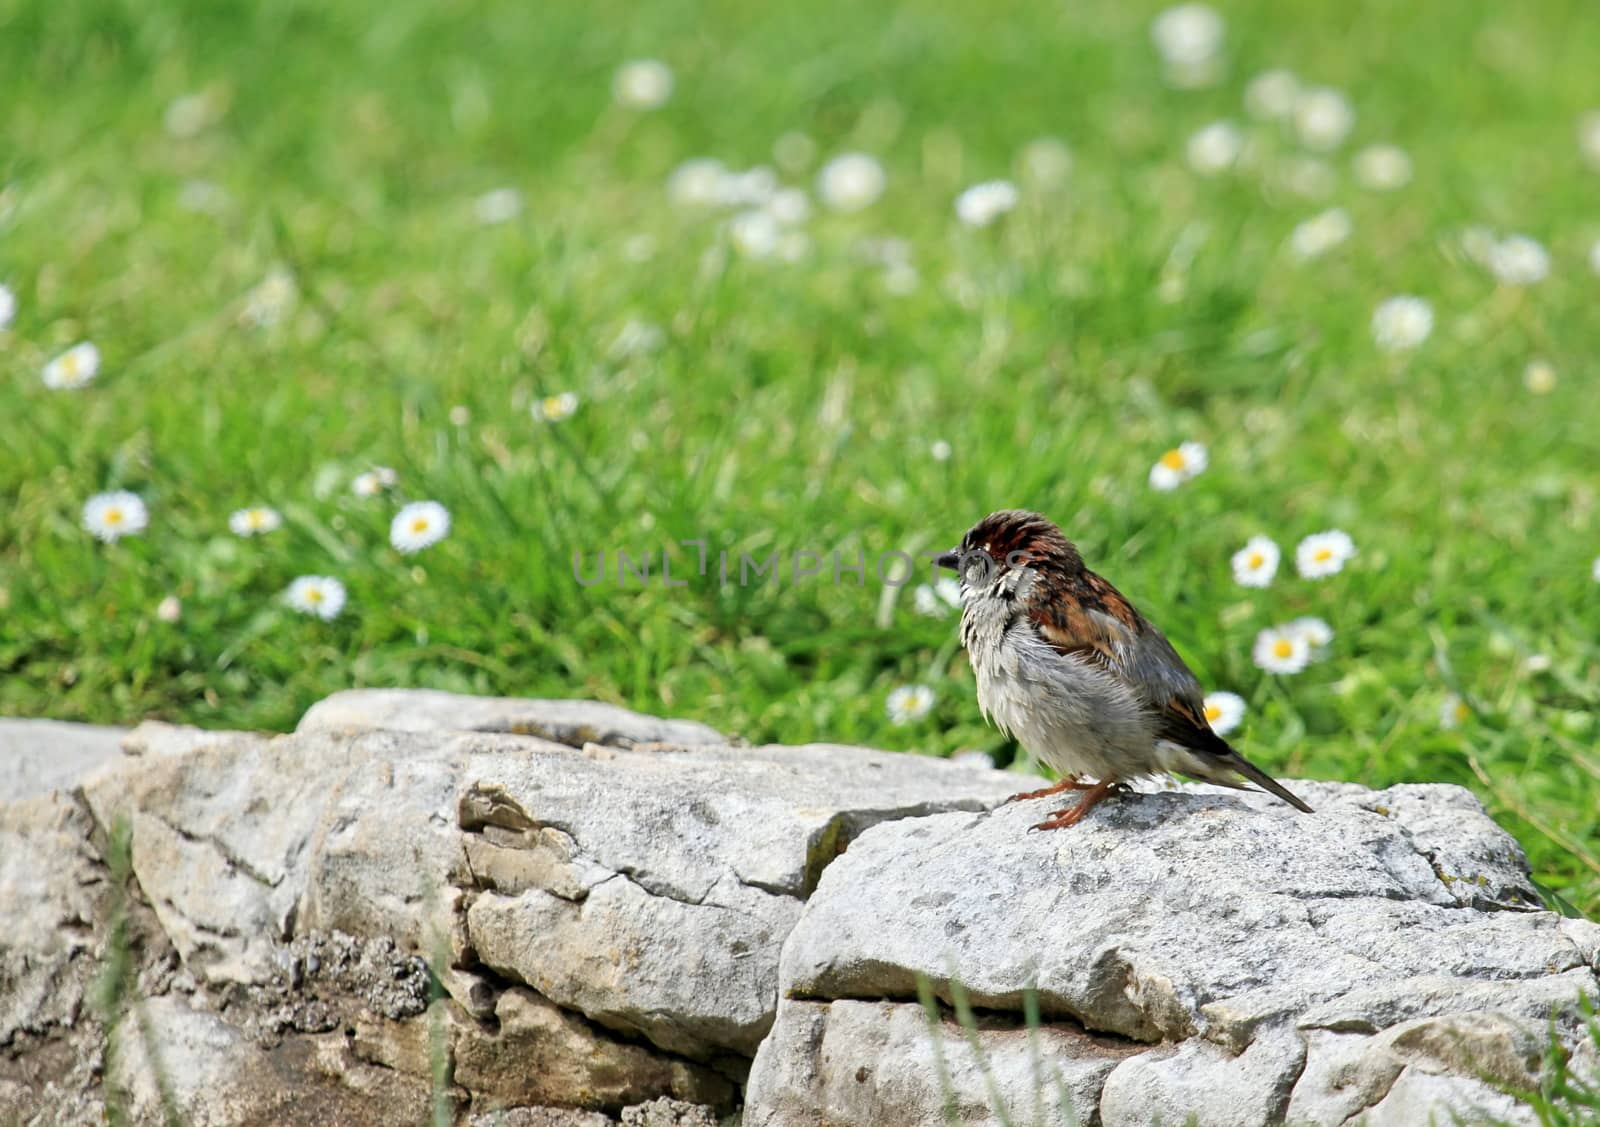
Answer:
[(950, 559)]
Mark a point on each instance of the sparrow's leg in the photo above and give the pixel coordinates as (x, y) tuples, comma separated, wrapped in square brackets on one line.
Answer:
[(1072, 815), (1068, 782)]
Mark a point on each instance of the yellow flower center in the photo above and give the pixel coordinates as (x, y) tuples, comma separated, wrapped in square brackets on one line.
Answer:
[(255, 518), (1256, 560), (1283, 648), (1462, 711), (113, 516), (1173, 460), (69, 365), (1322, 555), (1212, 713), (420, 524), (314, 595)]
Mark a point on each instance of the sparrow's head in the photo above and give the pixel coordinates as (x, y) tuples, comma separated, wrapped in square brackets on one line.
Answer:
[(996, 551)]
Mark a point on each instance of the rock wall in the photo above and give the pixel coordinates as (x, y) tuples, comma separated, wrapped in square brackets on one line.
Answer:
[(560, 912)]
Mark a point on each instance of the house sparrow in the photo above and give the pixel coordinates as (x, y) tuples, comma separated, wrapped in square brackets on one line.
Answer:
[(1069, 667)]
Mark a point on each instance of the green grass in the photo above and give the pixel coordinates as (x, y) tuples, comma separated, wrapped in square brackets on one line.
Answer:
[(792, 406)]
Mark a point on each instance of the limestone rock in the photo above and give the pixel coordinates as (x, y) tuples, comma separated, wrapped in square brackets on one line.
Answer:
[(570, 722), (661, 910), (397, 911), (170, 1057), (53, 900), (39, 756), (1203, 1083), (1349, 1074), (542, 1054), (1171, 914), (863, 1064), (666, 1112), (615, 912), (1379, 954)]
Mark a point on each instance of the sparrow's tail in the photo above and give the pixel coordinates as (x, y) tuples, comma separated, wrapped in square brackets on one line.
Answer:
[(1263, 780)]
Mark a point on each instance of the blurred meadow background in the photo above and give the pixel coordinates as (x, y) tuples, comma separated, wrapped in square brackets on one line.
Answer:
[(833, 277)]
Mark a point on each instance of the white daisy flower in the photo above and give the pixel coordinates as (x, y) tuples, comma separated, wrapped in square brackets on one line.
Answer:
[(1307, 177), (1453, 712), (981, 204), (73, 368), (851, 182), (1519, 261), (1402, 323), (639, 248), (644, 84), (1589, 137), (636, 338), (169, 609), (319, 595), (1256, 563), (941, 450), (926, 601), (1224, 711), (1272, 95), (1539, 377), (1322, 118), (1280, 650), (696, 183), (887, 251), (910, 703), (499, 205), (754, 187), (900, 279), (254, 522), (1383, 168), (8, 307), (1323, 554), (270, 301), (1046, 162), (789, 206), (1320, 234), (1537, 663), (1189, 38), (374, 481), (1316, 632), (754, 233), (1215, 148), (191, 114), (111, 516), (419, 525), (1177, 466), (555, 408), (1594, 570), (949, 591), (202, 197), (794, 152)]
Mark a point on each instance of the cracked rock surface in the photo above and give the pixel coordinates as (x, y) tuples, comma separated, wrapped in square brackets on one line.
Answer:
[(1261, 963), (562, 913), (600, 921)]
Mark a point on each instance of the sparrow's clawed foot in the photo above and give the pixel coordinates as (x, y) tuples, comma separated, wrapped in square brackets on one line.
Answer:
[(1068, 782), (1072, 815)]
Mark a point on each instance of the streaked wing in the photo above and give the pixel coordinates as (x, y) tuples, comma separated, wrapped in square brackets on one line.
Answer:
[(1095, 622)]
